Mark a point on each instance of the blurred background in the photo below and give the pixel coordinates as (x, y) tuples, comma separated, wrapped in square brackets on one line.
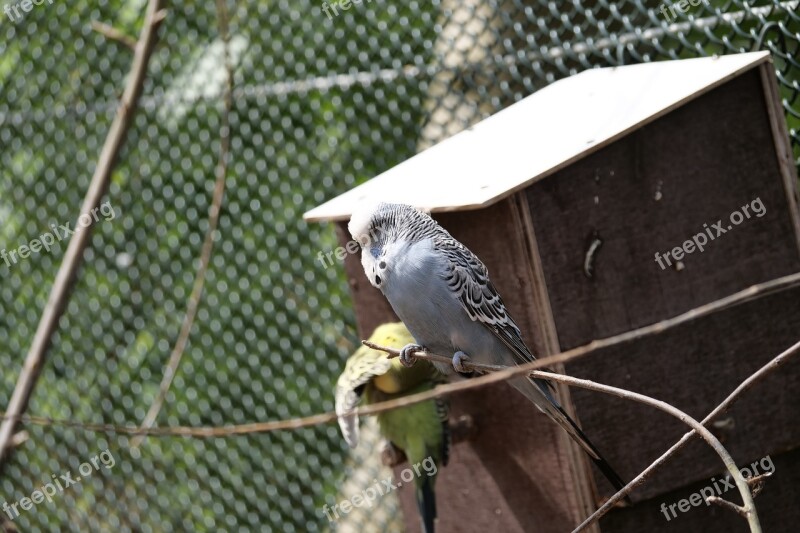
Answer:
[(323, 99)]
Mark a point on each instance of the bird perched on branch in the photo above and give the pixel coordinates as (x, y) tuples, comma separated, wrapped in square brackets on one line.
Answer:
[(442, 292), (420, 430)]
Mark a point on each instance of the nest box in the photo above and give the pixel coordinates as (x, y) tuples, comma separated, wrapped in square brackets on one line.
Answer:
[(570, 197)]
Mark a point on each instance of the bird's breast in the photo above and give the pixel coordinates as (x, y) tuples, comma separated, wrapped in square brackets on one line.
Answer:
[(421, 298)]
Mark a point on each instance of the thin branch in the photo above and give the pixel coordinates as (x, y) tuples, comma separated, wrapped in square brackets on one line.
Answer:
[(749, 509), (114, 34), (722, 502), (72, 257), (759, 375), (208, 244), (309, 421), (753, 292)]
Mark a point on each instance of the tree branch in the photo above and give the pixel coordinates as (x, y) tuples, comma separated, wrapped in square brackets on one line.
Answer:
[(748, 510), (114, 34), (78, 242), (722, 502), (759, 375), (208, 244)]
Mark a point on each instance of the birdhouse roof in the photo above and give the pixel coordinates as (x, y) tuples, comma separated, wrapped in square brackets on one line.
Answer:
[(540, 134)]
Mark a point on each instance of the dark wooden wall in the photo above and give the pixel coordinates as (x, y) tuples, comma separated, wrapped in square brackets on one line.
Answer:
[(651, 191)]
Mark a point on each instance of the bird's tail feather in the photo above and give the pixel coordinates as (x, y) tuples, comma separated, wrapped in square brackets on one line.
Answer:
[(540, 395), (594, 454), (426, 501)]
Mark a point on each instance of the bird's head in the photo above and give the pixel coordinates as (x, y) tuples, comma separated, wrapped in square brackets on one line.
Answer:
[(381, 230)]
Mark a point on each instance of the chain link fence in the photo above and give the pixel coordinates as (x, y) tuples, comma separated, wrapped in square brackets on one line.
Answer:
[(325, 96)]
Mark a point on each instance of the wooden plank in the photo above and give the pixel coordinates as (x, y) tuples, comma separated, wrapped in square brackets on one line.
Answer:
[(649, 193), (783, 146), (585, 494), (547, 131)]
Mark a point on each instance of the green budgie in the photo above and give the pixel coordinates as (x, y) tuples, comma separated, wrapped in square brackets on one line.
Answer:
[(420, 430)]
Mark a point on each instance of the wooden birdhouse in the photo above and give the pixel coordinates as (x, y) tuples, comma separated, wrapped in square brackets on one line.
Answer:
[(607, 201)]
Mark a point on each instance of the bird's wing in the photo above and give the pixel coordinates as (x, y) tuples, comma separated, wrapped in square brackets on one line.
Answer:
[(360, 369), (468, 278), (469, 282)]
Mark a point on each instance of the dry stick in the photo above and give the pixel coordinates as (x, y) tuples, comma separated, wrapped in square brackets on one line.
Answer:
[(114, 34), (743, 511), (718, 410), (751, 293), (208, 244), (722, 502), (314, 420), (504, 373), (747, 511), (72, 258), (749, 508)]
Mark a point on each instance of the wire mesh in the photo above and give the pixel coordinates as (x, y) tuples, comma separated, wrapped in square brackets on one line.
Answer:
[(326, 95)]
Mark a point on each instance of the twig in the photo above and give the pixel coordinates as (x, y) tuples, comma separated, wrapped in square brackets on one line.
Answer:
[(72, 257), (297, 423), (114, 34), (718, 410), (391, 353), (748, 510), (755, 291), (208, 244), (504, 373), (722, 502), (757, 483)]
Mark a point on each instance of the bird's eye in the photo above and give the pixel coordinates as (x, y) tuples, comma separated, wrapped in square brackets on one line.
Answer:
[(382, 264)]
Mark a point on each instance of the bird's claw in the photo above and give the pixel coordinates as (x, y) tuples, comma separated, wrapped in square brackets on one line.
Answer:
[(406, 356), (459, 359)]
